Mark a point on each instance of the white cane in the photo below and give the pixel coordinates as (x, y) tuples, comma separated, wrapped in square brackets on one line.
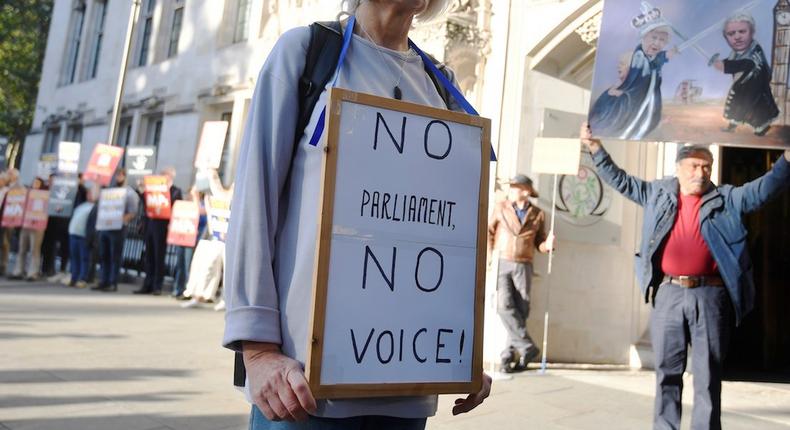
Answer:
[(548, 290)]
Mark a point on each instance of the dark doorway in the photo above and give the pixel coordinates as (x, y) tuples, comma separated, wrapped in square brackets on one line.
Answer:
[(760, 348)]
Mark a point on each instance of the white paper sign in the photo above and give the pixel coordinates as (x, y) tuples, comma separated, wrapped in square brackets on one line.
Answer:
[(112, 202), (68, 157), (405, 250), (556, 156)]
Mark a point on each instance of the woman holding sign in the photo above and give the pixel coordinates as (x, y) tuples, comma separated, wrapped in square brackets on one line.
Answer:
[(273, 231)]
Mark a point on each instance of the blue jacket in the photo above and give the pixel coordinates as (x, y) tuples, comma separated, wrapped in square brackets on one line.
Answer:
[(720, 221)]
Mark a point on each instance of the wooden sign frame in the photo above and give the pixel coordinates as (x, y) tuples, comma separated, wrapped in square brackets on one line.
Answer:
[(313, 364)]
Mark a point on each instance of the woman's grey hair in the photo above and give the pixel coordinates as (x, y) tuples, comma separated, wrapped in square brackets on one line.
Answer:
[(435, 8), (740, 16)]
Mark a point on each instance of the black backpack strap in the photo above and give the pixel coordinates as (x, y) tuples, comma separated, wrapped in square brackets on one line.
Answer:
[(443, 92), (326, 41)]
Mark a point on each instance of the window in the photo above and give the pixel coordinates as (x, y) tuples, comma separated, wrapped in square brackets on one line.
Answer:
[(153, 133), (241, 28), (74, 133), (51, 139), (99, 13), (74, 42), (147, 17), (224, 171), (175, 29), (125, 133)]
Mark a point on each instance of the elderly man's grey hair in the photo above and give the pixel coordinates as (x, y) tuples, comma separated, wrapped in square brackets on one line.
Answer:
[(740, 16), (434, 9)]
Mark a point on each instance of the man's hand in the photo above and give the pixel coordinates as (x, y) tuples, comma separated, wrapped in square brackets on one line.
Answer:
[(548, 244), (463, 406), (718, 65), (277, 383), (586, 136)]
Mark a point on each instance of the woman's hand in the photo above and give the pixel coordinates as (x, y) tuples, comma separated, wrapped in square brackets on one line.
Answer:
[(277, 383), (473, 400)]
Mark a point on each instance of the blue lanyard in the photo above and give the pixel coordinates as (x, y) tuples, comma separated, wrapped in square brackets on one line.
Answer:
[(319, 128)]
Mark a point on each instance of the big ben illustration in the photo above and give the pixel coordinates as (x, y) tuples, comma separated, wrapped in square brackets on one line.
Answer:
[(781, 60)]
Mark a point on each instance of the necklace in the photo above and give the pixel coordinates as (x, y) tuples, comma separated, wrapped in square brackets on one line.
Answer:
[(396, 91)]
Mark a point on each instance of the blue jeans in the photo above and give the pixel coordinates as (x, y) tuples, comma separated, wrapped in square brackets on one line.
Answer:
[(183, 261), (369, 422), (111, 254), (80, 258)]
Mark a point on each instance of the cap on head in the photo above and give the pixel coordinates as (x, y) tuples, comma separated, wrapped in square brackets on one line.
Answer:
[(696, 151), (523, 181)]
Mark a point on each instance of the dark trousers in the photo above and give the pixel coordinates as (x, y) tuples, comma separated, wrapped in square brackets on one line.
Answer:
[(514, 284), (155, 249), (701, 317), (56, 244), (80, 258), (366, 422), (111, 255)]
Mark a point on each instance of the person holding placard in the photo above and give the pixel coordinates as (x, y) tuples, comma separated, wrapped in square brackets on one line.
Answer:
[(694, 264), (29, 243), (80, 249), (7, 233), (156, 237), (111, 241), (516, 230), (273, 230)]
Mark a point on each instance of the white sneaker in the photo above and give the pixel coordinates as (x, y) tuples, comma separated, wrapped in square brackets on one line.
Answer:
[(194, 303), (220, 306), (66, 280), (54, 279)]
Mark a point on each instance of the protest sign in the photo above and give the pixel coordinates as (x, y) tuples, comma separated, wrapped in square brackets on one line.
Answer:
[(212, 139), (14, 211), (140, 160), (157, 197), (112, 204), (402, 243), (665, 71), (68, 157), (218, 211), (104, 160), (62, 194), (183, 227), (36, 214), (47, 165)]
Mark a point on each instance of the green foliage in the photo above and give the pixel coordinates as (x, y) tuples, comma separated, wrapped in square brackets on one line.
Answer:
[(24, 25)]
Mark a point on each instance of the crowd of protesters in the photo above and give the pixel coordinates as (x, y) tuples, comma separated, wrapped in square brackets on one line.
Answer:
[(72, 251)]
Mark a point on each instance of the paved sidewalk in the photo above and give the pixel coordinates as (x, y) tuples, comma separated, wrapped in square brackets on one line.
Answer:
[(76, 359)]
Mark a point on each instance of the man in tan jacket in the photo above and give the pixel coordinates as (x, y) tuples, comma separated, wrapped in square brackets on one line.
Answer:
[(516, 230)]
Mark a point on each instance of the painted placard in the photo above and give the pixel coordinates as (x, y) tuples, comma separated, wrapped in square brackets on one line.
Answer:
[(36, 211), (104, 160), (218, 212), (68, 157), (140, 160), (703, 71), (62, 194), (402, 243), (157, 197), (47, 165), (212, 140), (112, 204), (14, 211), (183, 227)]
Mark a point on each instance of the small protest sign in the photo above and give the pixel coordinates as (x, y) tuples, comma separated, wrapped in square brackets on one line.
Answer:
[(68, 157), (36, 214), (112, 203), (104, 160), (140, 160), (212, 140), (183, 227), (405, 251), (218, 211), (47, 165), (157, 197), (62, 194), (14, 211)]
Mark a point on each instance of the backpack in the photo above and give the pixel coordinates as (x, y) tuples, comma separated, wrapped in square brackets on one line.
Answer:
[(326, 41)]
